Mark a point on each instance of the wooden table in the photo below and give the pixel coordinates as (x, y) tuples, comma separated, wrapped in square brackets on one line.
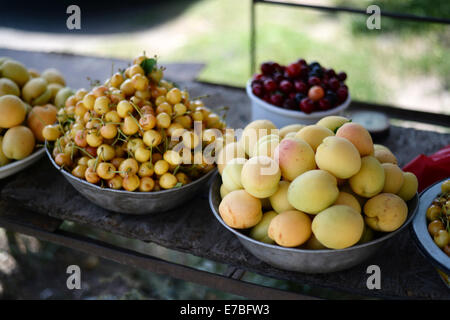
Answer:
[(37, 200)]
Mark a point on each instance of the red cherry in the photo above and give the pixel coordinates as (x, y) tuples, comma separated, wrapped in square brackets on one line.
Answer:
[(314, 81), (292, 95), (342, 76), (266, 97), (304, 70), (342, 94), (257, 76), (293, 70), (307, 105), (301, 86), (324, 104), (257, 81), (330, 73), (302, 62), (258, 90), (91, 150), (270, 85), (286, 86), (276, 99), (278, 77), (334, 84), (278, 68), (267, 68), (316, 93)]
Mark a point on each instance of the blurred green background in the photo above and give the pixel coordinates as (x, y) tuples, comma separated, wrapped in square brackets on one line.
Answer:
[(405, 63)]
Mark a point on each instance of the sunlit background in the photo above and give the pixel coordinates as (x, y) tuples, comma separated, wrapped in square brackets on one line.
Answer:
[(405, 64)]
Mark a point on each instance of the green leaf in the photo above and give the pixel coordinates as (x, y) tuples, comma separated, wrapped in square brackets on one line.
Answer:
[(335, 130), (148, 65), (179, 184)]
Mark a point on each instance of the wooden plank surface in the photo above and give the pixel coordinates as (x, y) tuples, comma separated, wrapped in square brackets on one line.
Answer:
[(41, 188)]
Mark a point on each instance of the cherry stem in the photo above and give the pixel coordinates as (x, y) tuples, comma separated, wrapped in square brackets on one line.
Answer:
[(124, 172), (83, 150), (100, 119), (58, 145), (137, 109), (201, 97), (123, 134), (135, 120)]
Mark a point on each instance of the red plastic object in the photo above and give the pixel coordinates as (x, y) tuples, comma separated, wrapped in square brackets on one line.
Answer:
[(430, 169)]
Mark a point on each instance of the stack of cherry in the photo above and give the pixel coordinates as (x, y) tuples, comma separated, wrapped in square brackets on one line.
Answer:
[(300, 86)]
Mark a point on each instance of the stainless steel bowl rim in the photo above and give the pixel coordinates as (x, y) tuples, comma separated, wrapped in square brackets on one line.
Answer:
[(114, 191), (263, 244)]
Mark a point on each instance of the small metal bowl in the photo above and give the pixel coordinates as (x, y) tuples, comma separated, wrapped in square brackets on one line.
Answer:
[(302, 260), (421, 235), (135, 203)]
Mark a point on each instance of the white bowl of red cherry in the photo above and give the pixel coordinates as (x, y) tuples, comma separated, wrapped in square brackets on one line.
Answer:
[(297, 93)]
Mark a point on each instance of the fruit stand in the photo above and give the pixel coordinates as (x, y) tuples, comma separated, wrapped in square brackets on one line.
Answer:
[(37, 201)]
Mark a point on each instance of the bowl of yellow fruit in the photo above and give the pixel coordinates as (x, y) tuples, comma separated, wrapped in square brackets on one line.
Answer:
[(27, 99), (316, 199), (135, 144)]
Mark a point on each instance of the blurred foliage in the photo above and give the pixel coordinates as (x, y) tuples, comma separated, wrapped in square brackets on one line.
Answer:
[(383, 66), (425, 47), (435, 8)]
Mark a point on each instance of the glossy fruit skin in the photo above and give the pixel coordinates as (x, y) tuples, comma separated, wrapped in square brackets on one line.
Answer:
[(314, 81), (441, 238), (342, 94), (307, 105), (258, 90), (286, 86), (435, 226), (342, 76), (324, 104), (334, 83), (300, 77), (301, 86), (267, 68), (330, 73), (276, 99), (316, 93), (293, 70), (270, 85), (278, 77), (433, 212)]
